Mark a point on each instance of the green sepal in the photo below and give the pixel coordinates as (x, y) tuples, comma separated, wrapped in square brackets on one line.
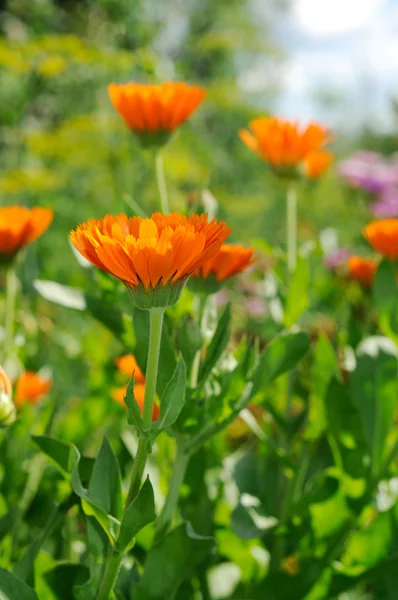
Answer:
[(161, 296)]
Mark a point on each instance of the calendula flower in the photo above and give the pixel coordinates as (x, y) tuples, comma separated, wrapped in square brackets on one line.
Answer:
[(139, 394), (31, 388), (285, 145), (7, 408), (383, 237), (153, 257), (19, 226), (153, 112), (317, 163), (362, 269), (230, 260), (128, 365)]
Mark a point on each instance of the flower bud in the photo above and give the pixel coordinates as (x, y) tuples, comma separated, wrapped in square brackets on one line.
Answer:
[(7, 407)]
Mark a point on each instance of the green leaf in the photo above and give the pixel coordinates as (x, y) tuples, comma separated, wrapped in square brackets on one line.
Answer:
[(62, 456), (385, 295), (217, 345), (105, 488), (325, 366), (173, 398), (88, 590), (107, 522), (12, 588), (7, 522), (171, 561), (140, 513), (64, 577), (60, 294), (281, 355), (297, 297), (374, 389), (133, 409)]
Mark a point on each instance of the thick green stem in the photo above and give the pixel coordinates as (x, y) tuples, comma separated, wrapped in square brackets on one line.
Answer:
[(11, 294), (161, 180), (176, 480), (109, 578), (151, 375), (291, 204)]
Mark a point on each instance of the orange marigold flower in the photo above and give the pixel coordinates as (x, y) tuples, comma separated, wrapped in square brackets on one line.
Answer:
[(284, 144), (139, 394), (128, 365), (362, 269), (153, 257), (383, 237), (20, 225), (154, 111), (7, 408), (317, 163), (231, 259), (31, 388)]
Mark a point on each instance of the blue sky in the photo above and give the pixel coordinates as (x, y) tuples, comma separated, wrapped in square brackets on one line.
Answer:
[(347, 49)]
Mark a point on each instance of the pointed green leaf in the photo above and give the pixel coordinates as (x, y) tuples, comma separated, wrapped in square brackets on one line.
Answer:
[(12, 588), (171, 561), (61, 455), (133, 409), (140, 513), (281, 355), (173, 398), (105, 488), (217, 345), (385, 294)]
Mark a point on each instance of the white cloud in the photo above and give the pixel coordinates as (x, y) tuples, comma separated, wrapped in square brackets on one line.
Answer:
[(330, 17)]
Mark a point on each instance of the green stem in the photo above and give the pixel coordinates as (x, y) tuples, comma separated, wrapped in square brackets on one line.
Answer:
[(161, 180), (291, 203), (176, 480), (11, 294), (202, 318), (151, 375), (109, 578)]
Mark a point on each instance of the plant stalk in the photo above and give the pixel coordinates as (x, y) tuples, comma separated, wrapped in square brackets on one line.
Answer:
[(155, 336), (291, 205), (175, 482), (161, 181), (11, 295), (109, 578)]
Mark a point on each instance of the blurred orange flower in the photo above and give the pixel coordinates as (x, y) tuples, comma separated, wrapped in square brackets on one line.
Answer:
[(139, 394), (284, 144), (362, 269), (317, 163), (155, 109), (31, 388), (128, 365), (229, 260), (150, 254), (20, 225), (383, 237)]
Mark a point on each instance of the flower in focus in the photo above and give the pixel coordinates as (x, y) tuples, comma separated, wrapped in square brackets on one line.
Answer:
[(7, 408), (387, 204), (153, 112), (317, 163), (20, 225), (153, 257), (362, 269), (383, 237), (368, 171), (139, 394), (128, 365), (284, 144), (337, 258), (31, 388)]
